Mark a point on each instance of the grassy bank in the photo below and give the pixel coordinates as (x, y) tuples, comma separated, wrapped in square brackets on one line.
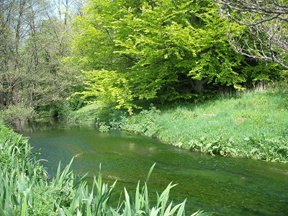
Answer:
[(249, 125), (26, 189)]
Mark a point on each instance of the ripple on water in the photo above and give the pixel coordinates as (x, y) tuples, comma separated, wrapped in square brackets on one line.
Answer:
[(225, 186)]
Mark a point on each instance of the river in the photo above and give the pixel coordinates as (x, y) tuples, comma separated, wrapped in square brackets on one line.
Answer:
[(223, 186)]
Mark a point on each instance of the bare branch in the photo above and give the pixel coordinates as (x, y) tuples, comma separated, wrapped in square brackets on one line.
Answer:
[(267, 22)]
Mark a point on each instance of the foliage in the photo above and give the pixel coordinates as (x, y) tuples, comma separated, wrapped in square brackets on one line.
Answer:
[(249, 125), (83, 116), (268, 149), (26, 189), (144, 123), (96, 116), (163, 51), (252, 125), (16, 115), (108, 87), (33, 42)]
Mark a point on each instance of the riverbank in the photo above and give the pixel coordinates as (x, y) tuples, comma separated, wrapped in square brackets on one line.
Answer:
[(249, 125), (26, 188)]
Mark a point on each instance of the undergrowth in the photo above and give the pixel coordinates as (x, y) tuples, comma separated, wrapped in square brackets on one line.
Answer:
[(26, 189), (253, 125), (249, 125)]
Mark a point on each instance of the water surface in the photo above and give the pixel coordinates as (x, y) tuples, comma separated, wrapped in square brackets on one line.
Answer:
[(225, 186)]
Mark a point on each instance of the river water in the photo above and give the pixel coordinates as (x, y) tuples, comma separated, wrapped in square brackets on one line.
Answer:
[(224, 186)]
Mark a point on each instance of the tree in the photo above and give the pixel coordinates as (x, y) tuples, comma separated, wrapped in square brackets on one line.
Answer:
[(14, 17), (34, 41), (135, 52), (267, 23), (157, 50)]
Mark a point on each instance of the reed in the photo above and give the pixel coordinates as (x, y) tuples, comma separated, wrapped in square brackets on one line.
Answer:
[(27, 190)]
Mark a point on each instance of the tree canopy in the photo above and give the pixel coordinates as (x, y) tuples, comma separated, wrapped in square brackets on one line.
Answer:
[(158, 50), (33, 42), (136, 52)]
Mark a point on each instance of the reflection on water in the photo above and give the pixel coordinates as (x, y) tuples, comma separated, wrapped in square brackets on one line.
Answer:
[(222, 185)]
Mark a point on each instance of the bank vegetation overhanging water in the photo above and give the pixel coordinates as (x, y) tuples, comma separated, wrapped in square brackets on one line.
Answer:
[(248, 125)]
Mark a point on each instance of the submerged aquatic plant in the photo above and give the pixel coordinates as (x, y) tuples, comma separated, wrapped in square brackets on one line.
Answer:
[(26, 190)]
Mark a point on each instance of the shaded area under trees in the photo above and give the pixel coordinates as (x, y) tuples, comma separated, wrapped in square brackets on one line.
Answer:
[(161, 51)]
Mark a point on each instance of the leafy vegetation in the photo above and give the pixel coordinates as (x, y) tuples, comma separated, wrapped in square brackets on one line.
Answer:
[(33, 42), (253, 125), (16, 115), (249, 125), (162, 51), (133, 53), (26, 188)]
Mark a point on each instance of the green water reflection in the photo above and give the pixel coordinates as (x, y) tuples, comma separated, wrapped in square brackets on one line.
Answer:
[(224, 186)]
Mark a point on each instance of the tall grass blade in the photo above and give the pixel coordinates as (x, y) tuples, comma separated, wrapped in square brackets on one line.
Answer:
[(150, 172)]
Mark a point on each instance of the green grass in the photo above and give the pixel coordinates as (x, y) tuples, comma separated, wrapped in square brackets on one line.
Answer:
[(251, 125), (26, 189)]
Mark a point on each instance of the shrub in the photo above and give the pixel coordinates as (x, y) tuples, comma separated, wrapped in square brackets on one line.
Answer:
[(16, 115)]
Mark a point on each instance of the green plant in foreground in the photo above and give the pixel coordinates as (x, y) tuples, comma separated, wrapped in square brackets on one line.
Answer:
[(96, 202), (26, 190)]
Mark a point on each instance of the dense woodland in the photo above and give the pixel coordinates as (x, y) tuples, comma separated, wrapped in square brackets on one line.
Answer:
[(63, 54), (34, 41)]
